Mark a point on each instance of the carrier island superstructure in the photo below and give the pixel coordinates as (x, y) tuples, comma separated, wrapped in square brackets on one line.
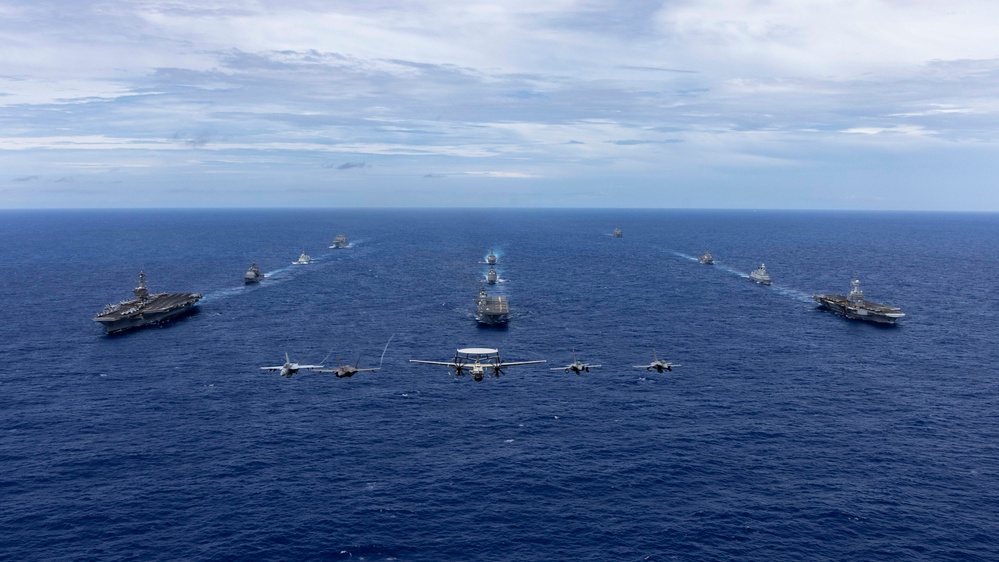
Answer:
[(146, 309)]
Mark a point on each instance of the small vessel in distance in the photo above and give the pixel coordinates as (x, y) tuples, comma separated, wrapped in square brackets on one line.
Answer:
[(253, 275), (760, 275), (491, 311), (303, 259), (616, 233), (855, 307), (706, 259), (491, 258), (340, 242), (146, 309), (491, 276)]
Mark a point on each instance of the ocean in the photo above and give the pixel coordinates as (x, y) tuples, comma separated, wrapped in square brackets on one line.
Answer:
[(788, 433)]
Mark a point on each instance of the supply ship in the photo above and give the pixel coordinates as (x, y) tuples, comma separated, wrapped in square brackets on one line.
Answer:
[(491, 311), (855, 307), (146, 309)]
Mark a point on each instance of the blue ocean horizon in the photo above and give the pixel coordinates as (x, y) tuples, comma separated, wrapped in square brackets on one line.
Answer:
[(789, 433)]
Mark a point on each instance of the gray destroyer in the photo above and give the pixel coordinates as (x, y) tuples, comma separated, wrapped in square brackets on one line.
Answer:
[(340, 242), (146, 309), (760, 275), (855, 307), (253, 275), (491, 310)]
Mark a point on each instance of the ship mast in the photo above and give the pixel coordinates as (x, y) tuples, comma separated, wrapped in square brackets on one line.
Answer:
[(856, 296), (141, 292)]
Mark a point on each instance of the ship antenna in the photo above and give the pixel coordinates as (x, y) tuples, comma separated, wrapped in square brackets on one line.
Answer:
[(141, 292)]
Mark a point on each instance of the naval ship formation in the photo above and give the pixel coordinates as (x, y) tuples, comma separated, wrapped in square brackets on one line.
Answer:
[(146, 309), (491, 310)]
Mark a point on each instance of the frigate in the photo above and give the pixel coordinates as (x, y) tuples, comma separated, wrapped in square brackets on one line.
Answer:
[(855, 307), (491, 258), (616, 233), (706, 259), (303, 259), (760, 275), (491, 276), (146, 309)]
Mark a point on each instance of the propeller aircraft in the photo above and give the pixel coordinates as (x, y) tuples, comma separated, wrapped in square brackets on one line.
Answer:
[(477, 361), (657, 364)]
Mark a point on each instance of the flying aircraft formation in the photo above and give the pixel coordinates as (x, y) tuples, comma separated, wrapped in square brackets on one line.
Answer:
[(475, 361)]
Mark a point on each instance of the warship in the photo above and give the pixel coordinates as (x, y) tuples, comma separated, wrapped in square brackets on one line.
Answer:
[(855, 307), (760, 275), (616, 233), (706, 259), (340, 242), (491, 258), (303, 259), (491, 311), (491, 276), (253, 275), (146, 309)]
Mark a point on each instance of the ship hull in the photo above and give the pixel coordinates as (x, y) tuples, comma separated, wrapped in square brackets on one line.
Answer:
[(492, 319)]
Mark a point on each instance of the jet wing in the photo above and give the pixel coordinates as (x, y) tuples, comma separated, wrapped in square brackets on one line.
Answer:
[(592, 366), (369, 369), (644, 366), (272, 368), (445, 363), (511, 364), (310, 366)]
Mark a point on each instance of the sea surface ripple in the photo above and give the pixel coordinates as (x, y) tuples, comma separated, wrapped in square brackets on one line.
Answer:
[(789, 433)]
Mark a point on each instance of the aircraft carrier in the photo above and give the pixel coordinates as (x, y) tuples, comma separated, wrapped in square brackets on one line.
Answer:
[(491, 311), (146, 309), (855, 307)]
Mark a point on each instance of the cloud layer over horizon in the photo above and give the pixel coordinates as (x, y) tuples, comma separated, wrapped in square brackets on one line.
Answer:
[(719, 104)]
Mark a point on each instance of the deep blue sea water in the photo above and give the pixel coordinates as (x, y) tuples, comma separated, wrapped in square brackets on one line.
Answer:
[(789, 433)]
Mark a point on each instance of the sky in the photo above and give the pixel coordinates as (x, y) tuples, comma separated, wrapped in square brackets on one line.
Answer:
[(750, 104)]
